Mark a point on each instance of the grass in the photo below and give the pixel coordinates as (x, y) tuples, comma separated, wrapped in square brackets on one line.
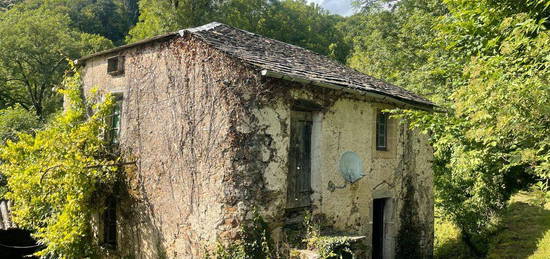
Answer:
[(447, 241), (523, 232)]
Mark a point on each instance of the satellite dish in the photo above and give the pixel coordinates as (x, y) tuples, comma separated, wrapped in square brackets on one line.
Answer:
[(351, 167)]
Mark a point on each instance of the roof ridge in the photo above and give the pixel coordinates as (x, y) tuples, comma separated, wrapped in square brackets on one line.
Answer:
[(205, 27)]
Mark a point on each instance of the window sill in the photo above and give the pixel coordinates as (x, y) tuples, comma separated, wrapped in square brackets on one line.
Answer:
[(109, 246)]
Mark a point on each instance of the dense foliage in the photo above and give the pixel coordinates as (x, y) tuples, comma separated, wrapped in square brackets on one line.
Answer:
[(108, 18), (397, 45), (486, 64), (15, 120), (35, 45), (53, 174), (292, 21), (254, 242)]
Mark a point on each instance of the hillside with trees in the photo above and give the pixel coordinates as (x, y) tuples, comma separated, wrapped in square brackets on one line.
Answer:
[(486, 64)]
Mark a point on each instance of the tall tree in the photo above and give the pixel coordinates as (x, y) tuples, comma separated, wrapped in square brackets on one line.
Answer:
[(292, 21), (111, 19), (393, 40), (157, 16), (34, 49), (305, 25), (486, 63)]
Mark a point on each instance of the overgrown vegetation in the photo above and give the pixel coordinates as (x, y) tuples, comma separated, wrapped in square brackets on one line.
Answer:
[(36, 43), (53, 173), (254, 242), (14, 121), (410, 231), (292, 21), (331, 246), (520, 232), (485, 63)]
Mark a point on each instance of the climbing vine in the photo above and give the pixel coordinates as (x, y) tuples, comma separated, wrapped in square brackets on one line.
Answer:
[(327, 246), (53, 174), (254, 242), (331, 246), (410, 232)]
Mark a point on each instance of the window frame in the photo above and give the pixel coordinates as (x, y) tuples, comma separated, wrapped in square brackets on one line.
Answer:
[(117, 68), (385, 124), (114, 132)]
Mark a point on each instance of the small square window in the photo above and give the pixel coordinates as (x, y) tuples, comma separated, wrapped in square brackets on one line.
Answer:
[(382, 131), (115, 65)]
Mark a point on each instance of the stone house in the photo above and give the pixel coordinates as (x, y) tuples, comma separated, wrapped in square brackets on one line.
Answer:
[(222, 122)]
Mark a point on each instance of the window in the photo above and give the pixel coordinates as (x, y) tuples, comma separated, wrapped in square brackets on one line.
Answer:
[(299, 176), (114, 127), (109, 223), (382, 131), (115, 65)]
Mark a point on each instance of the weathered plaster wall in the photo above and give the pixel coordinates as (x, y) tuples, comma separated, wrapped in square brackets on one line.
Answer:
[(348, 124), (189, 186)]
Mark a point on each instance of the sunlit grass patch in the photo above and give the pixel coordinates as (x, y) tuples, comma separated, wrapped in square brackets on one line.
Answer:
[(448, 243), (524, 231)]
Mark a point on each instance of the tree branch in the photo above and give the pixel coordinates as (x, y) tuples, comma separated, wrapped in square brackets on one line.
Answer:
[(46, 171), (86, 167), (108, 165)]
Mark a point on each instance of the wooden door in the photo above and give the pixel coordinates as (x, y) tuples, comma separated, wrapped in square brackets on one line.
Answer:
[(299, 173)]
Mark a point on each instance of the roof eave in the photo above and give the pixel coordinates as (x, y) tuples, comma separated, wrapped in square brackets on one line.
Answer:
[(355, 91)]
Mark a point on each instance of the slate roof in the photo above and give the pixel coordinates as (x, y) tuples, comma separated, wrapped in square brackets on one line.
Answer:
[(288, 60), (295, 61)]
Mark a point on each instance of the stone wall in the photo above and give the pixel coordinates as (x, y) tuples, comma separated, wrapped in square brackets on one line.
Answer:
[(181, 103)]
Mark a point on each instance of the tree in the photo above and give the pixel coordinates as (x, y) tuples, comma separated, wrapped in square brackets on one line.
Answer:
[(396, 44), (53, 174), (35, 46), (305, 25), (101, 17), (111, 19), (291, 21), (15, 120), (486, 64), (506, 100), (158, 17)]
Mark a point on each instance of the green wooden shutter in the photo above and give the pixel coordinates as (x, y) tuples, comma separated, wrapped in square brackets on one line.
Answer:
[(299, 175)]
